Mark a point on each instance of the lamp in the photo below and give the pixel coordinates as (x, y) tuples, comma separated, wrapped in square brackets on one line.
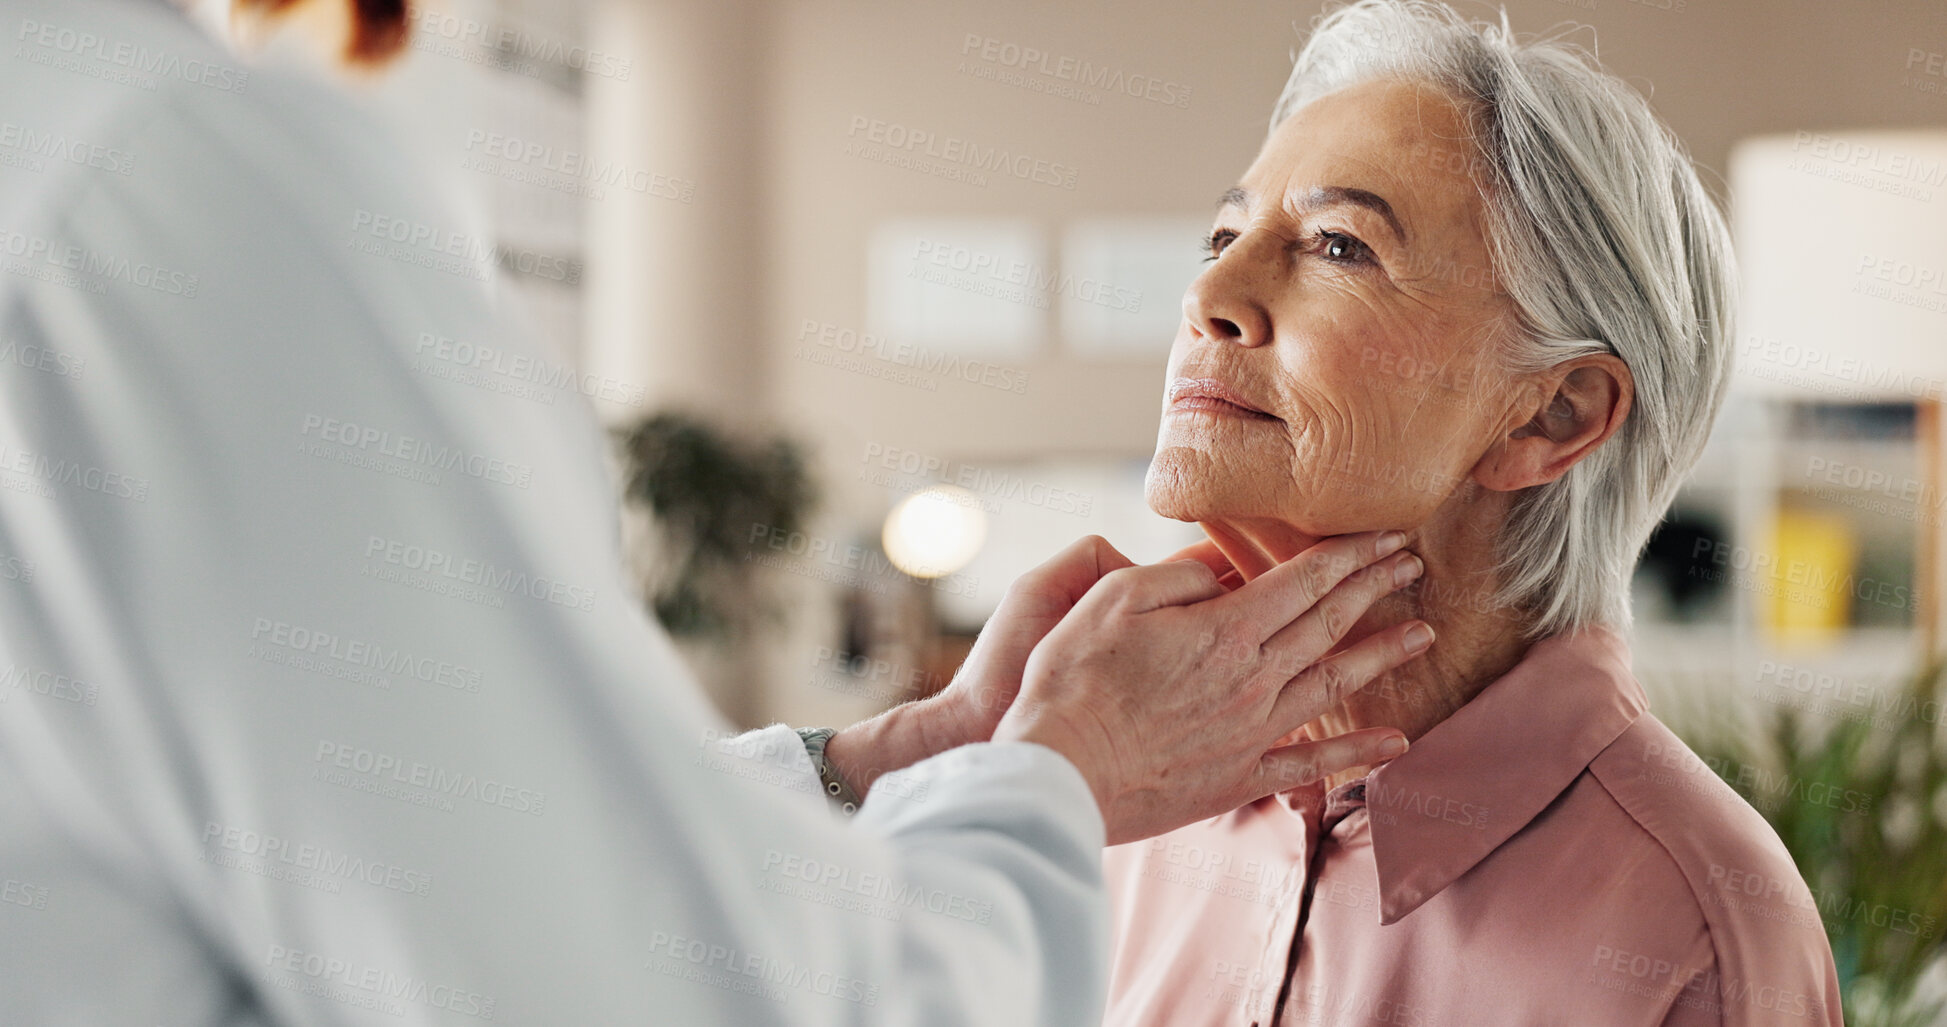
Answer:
[(934, 533)]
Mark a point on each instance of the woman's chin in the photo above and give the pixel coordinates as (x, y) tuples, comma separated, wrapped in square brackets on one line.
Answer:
[(1185, 485), (1205, 503), (1172, 493), (1197, 503), (1172, 506)]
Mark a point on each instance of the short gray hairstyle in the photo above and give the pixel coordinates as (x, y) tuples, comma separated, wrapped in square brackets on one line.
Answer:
[(1605, 241)]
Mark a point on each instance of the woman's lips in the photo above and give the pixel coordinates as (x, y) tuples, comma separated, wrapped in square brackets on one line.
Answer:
[(1210, 396)]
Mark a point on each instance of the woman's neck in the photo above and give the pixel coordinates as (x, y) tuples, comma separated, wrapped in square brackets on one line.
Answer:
[(1475, 641)]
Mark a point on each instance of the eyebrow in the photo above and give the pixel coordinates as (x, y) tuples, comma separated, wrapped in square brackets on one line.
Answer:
[(1326, 196)]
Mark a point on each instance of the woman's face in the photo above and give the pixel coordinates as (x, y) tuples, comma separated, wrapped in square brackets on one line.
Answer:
[(1334, 369)]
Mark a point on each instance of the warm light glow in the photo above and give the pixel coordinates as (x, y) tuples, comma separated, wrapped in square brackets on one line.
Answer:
[(933, 533)]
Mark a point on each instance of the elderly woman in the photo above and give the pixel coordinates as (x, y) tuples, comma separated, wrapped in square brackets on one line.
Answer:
[(1471, 289)]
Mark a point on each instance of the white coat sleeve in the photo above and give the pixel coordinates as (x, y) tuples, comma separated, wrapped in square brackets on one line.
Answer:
[(322, 698)]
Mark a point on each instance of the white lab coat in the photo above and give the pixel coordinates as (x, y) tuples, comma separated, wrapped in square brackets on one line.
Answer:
[(322, 697)]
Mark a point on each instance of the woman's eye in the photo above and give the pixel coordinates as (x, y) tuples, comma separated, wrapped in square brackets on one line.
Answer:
[(1334, 246), (1213, 245), (1342, 248)]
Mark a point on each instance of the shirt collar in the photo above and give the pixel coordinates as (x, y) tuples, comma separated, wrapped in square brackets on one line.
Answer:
[(1482, 774)]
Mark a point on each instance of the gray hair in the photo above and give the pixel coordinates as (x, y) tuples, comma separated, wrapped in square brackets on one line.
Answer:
[(1605, 241)]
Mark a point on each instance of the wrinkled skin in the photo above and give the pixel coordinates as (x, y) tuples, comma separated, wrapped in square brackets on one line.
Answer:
[(1373, 357)]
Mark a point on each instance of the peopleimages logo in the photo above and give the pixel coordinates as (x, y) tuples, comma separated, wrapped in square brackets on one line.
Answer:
[(367, 986), (676, 952), (384, 443), (579, 166), (438, 566), (436, 25), (882, 888), (70, 473), (38, 147), (1832, 370), (1035, 282), (1856, 162), (317, 858), (895, 137), (918, 358), (41, 681), (40, 358), (918, 471), (355, 652), (523, 368), (1799, 581), (1868, 703), (1075, 71), (424, 244), (96, 56), (440, 781), (112, 267)]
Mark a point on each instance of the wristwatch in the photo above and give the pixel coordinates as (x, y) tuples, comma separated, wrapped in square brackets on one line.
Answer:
[(840, 793)]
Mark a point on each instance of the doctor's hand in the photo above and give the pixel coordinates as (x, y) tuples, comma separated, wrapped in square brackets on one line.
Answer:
[(1170, 690), (967, 710), (990, 677)]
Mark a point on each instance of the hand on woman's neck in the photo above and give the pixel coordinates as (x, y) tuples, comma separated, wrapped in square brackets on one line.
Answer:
[(1475, 642)]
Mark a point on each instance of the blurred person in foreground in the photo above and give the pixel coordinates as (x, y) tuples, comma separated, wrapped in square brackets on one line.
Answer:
[(1473, 289), (325, 700)]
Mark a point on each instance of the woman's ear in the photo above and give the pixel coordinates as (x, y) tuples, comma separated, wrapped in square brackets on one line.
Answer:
[(1585, 401)]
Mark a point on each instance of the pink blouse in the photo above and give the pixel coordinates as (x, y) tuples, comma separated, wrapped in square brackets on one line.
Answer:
[(1550, 854)]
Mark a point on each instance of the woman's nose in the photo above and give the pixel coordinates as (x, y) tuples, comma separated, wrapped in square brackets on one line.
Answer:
[(1222, 303)]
